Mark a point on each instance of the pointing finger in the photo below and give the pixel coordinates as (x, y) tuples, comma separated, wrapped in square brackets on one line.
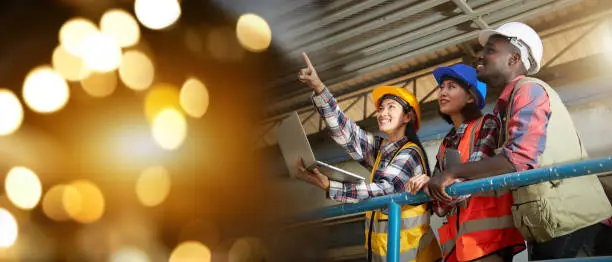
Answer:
[(307, 60)]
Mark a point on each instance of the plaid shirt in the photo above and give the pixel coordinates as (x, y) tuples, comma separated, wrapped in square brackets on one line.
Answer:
[(390, 176), (529, 115), (485, 144)]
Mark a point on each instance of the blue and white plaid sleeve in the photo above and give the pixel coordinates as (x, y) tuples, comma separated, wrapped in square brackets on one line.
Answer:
[(392, 179), (359, 144)]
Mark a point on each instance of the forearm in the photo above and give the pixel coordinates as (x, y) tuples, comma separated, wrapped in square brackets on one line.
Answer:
[(347, 192), (358, 143), (355, 192), (487, 167), (337, 122)]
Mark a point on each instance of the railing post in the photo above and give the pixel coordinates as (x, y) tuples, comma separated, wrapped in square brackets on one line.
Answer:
[(393, 236)]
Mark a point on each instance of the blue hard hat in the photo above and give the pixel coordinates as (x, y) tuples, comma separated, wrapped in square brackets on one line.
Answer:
[(467, 74)]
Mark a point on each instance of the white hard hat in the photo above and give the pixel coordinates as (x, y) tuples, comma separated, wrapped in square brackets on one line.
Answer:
[(532, 56)]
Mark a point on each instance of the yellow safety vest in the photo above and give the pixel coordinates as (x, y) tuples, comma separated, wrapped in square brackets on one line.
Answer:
[(417, 240)]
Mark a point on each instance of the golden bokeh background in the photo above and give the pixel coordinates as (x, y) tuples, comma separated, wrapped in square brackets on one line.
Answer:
[(122, 141)]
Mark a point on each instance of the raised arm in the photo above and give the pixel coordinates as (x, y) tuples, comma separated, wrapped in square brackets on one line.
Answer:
[(359, 144)]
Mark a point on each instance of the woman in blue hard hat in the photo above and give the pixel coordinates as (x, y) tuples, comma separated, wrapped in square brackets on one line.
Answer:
[(393, 162), (479, 227)]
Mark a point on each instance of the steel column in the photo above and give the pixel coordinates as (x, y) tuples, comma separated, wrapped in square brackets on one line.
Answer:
[(393, 237)]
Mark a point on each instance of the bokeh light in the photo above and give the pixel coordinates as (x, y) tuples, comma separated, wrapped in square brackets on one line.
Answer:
[(72, 200), (136, 70), (161, 96), (169, 129), (73, 32), (157, 14), (247, 249), (132, 144), (11, 112), (52, 203), (191, 251), (153, 186), (129, 254), (101, 52), (23, 187), (122, 26), (60, 201), (8, 228), (100, 84), (70, 66), (92, 202), (194, 98), (45, 90), (253, 32)]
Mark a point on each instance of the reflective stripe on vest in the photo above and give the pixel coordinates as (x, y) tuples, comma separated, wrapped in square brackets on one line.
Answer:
[(493, 215), (477, 225), (426, 243), (415, 233)]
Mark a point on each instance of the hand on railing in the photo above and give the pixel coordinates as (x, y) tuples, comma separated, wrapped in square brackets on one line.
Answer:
[(437, 186), (528, 177), (416, 183)]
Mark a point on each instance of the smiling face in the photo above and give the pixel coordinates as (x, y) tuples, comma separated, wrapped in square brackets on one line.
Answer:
[(495, 62), (452, 97), (391, 116)]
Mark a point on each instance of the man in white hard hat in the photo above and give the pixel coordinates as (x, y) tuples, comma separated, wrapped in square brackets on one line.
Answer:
[(554, 222)]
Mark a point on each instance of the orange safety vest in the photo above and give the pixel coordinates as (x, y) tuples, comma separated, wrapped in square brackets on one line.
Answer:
[(485, 225)]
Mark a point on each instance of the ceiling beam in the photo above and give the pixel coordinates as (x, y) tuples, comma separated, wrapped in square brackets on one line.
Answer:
[(428, 44), (292, 14), (469, 12), (379, 22), (406, 38), (327, 25)]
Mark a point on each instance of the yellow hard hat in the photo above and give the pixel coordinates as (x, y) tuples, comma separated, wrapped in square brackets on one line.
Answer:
[(403, 94)]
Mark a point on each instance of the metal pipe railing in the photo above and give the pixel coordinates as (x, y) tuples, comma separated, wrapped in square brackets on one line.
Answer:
[(534, 176), (581, 259)]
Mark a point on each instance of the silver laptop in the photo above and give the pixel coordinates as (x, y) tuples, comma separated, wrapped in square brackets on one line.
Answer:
[(294, 144), (452, 158)]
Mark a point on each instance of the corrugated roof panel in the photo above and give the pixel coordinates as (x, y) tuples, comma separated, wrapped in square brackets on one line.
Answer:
[(475, 4), (364, 69)]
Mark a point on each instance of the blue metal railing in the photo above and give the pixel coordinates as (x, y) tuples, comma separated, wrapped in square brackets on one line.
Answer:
[(586, 259), (575, 169)]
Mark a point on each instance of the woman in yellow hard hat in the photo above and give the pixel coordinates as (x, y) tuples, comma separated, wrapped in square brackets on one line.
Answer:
[(393, 161)]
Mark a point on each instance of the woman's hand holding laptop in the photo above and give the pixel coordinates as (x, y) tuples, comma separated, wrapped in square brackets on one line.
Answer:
[(315, 177)]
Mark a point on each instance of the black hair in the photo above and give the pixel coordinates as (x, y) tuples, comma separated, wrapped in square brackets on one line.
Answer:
[(412, 136), (410, 131), (470, 111)]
